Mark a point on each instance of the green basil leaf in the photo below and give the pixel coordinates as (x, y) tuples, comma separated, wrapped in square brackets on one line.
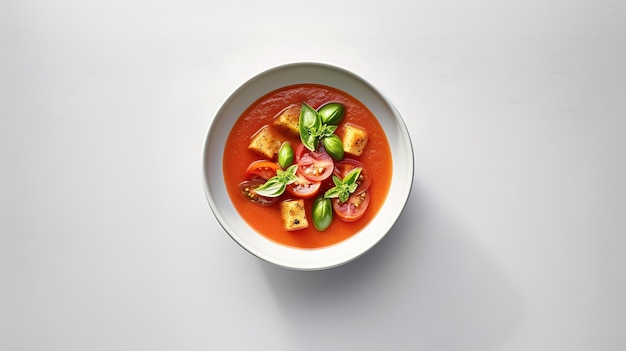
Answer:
[(309, 118), (352, 176), (312, 142), (271, 188), (344, 187), (285, 177), (331, 113), (322, 213), (277, 185), (285, 155), (337, 180), (290, 174), (332, 193), (343, 197), (307, 139), (310, 125), (328, 130), (352, 187), (334, 147)]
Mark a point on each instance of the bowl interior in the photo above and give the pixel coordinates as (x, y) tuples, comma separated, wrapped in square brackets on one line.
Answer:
[(316, 73)]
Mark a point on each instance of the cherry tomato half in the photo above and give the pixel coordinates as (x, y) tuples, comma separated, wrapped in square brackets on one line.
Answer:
[(315, 165), (365, 179), (247, 191), (352, 209), (303, 187), (262, 169)]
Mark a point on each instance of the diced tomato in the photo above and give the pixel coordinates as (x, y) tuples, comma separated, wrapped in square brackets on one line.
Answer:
[(304, 187), (262, 169), (352, 209), (315, 165), (247, 191)]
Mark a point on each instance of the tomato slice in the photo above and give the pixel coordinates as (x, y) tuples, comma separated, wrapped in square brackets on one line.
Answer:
[(315, 165), (304, 187), (352, 209), (365, 179), (247, 191), (262, 169)]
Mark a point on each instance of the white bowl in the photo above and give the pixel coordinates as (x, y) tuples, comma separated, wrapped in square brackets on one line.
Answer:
[(316, 73)]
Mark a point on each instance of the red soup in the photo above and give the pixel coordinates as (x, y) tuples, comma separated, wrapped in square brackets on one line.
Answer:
[(250, 160)]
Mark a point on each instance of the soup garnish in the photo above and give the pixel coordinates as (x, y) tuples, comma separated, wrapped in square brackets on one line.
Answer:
[(312, 165)]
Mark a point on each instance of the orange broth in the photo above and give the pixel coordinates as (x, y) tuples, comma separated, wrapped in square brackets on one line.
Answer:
[(267, 220)]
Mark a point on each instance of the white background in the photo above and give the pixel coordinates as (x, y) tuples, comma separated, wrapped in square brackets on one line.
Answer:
[(513, 237)]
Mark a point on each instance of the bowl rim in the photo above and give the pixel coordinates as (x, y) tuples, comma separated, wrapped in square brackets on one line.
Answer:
[(314, 264)]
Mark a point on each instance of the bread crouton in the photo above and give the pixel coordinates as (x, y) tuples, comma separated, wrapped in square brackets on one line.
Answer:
[(289, 119), (354, 140), (264, 143), (293, 214)]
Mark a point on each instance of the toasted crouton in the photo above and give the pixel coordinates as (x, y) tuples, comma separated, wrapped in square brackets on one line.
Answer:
[(354, 140), (289, 119), (264, 143), (293, 214)]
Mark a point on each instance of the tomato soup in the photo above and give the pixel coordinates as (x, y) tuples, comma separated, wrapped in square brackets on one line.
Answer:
[(267, 220)]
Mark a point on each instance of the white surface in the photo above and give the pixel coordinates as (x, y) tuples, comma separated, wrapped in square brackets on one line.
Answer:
[(513, 238)]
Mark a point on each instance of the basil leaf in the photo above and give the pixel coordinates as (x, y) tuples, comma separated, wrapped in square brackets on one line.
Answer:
[(290, 174), (285, 155), (311, 143), (334, 147), (352, 187), (309, 119), (337, 180), (331, 113), (277, 185), (328, 130), (332, 193), (352, 176), (322, 213), (271, 188), (344, 187), (310, 124), (343, 197)]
